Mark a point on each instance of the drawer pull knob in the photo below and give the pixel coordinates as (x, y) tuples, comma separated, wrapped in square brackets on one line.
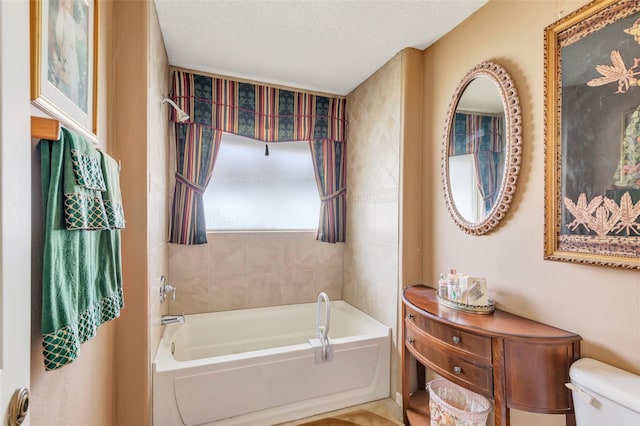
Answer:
[(411, 341), (456, 339), (457, 370), (410, 316)]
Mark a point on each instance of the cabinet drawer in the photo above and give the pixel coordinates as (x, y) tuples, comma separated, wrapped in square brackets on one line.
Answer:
[(472, 344), (476, 377)]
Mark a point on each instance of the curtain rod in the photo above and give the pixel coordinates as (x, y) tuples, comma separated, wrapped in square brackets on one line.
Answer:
[(258, 83)]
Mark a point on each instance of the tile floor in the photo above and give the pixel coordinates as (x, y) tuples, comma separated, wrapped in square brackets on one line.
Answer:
[(385, 407)]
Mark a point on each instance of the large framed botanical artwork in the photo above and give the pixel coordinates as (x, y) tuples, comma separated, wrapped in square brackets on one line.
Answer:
[(63, 61), (592, 135)]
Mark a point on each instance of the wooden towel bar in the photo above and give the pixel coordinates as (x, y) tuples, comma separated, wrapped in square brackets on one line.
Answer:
[(49, 128), (45, 128)]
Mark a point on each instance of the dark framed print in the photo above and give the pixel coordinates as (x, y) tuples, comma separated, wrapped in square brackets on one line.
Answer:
[(592, 135)]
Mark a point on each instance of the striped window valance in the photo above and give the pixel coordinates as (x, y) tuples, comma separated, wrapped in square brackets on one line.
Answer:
[(265, 113), (473, 133), (261, 112)]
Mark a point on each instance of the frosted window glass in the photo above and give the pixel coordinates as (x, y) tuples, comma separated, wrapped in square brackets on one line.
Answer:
[(251, 191), (464, 187)]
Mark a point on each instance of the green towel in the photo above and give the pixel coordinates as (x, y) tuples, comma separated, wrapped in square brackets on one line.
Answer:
[(83, 185), (111, 197), (82, 269)]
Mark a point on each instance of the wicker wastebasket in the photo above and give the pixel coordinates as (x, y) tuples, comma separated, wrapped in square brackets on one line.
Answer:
[(453, 405)]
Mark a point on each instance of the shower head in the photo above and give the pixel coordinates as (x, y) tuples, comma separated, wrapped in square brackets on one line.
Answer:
[(182, 116)]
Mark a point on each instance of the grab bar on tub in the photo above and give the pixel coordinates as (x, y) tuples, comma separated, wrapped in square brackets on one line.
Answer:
[(322, 331)]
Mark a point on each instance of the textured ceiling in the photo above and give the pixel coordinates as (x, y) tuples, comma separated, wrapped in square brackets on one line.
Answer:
[(326, 46)]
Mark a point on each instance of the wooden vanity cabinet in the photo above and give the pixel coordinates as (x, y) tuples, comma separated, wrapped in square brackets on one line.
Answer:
[(516, 362)]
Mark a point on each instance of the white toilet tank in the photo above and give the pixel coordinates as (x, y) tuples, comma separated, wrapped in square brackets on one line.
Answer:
[(604, 395)]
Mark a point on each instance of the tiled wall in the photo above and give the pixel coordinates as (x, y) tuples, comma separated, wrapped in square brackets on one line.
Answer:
[(373, 170), (158, 151), (253, 269)]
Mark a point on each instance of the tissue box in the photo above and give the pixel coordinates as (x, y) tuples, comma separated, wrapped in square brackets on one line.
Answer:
[(477, 291)]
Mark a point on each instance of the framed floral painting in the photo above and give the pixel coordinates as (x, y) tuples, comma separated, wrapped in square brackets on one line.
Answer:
[(592, 135), (63, 61)]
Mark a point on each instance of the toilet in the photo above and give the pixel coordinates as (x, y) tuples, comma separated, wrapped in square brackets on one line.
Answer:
[(603, 394)]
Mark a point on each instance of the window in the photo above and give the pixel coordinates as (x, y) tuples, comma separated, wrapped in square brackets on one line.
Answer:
[(251, 191)]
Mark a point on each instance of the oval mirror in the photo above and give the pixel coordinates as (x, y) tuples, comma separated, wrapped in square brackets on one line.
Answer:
[(481, 148)]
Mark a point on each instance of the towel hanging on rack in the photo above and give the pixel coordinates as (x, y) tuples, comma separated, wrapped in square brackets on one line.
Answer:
[(83, 185), (111, 197), (82, 269)]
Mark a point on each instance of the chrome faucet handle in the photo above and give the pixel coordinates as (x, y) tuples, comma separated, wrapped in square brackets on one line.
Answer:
[(163, 295), (165, 289)]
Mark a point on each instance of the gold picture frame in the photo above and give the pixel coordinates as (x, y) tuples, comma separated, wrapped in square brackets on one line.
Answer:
[(592, 174), (64, 51)]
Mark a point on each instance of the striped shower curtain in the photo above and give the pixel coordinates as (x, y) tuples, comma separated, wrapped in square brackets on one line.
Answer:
[(196, 151), (480, 135), (330, 170)]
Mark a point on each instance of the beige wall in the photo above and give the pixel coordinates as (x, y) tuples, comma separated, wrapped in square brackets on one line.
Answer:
[(55, 394), (586, 300), (598, 303), (411, 184), (411, 187), (253, 269), (112, 375), (373, 170), (130, 111)]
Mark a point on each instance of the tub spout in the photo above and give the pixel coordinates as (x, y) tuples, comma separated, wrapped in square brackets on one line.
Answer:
[(170, 319)]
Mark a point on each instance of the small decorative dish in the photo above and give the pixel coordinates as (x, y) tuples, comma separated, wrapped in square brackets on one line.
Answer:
[(475, 309)]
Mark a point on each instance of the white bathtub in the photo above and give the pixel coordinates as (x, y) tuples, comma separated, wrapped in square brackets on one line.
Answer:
[(256, 366)]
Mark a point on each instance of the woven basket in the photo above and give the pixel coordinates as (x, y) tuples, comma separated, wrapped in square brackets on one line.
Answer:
[(453, 405)]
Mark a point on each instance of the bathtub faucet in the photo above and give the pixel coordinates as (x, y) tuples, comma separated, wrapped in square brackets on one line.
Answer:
[(170, 319), (166, 289)]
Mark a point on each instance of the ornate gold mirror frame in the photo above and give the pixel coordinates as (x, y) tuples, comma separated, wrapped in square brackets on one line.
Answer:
[(511, 146), (592, 135)]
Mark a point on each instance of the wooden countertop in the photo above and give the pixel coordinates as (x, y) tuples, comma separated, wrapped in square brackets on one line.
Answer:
[(498, 323)]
